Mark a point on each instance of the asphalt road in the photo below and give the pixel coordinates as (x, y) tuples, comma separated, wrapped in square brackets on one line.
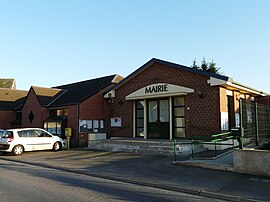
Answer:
[(23, 182), (154, 171)]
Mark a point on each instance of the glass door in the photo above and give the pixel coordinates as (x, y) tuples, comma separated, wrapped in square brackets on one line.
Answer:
[(158, 124)]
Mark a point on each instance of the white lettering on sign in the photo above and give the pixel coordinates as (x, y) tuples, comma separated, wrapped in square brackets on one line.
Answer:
[(156, 89)]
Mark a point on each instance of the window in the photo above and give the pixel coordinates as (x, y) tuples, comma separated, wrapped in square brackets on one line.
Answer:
[(27, 133), (31, 116), (41, 133), (153, 111), (140, 118), (54, 128), (62, 112), (7, 134), (58, 112), (179, 117)]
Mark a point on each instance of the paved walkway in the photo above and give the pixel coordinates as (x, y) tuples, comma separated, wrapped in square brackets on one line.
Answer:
[(153, 170), (221, 162)]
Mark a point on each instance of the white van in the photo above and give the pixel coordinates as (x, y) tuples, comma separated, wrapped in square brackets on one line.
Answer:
[(20, 140)]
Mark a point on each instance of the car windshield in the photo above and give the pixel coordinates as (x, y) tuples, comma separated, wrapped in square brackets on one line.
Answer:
[(7, 134), (1, 132)]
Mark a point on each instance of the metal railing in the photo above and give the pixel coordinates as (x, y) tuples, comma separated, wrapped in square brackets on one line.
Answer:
[(212, 141), (254, 123)]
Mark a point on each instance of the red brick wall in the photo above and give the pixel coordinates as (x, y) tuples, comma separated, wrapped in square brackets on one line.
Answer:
[(264, 100), (94, 108), (202, 114), (40, 113), (73, 124), (5, 118)]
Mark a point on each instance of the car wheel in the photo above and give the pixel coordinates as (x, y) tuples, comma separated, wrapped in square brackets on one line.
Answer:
[(56, 146), (17, 150)]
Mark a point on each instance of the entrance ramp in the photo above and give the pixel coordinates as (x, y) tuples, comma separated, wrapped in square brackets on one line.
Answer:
[(221, 162), (138, 145)]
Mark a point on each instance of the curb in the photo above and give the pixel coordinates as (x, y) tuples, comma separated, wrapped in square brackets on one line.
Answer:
[(186, 190), (214, 166)]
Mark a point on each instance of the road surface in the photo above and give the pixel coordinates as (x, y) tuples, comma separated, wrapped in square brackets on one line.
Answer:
[(21, 182)]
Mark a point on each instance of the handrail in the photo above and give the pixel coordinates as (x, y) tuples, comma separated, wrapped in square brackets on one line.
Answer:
[(212, 140), (221, 134)]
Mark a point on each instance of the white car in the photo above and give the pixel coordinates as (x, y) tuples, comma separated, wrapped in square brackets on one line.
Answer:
[(20, 140), (1, 132)]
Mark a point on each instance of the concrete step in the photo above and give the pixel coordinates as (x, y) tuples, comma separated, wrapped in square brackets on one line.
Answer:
[(138, 147), (164, 147)]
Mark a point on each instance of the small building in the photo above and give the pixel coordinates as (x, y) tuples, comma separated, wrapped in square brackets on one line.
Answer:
[(164, 100), (68, 106), (10, 107)]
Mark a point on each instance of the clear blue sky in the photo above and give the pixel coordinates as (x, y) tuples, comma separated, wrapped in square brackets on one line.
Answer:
[(53, 42)]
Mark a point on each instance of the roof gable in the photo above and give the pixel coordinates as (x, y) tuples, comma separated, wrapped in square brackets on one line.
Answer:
[(49, 92), (169, 64), (214, 79), (45, 95)]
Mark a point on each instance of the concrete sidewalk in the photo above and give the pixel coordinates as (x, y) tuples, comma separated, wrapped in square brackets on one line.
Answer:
[(153, 170), (223, 162)]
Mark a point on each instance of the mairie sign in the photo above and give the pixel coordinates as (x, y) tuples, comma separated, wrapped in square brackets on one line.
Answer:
[(156, 88), (159, 90)]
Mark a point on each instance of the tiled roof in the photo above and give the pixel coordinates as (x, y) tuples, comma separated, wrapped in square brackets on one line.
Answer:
[(11, 95), (58, 96), (10, 99), (41, 91), (170, 64), (75, 93), (45, 95), (218, 79), (7, 83)]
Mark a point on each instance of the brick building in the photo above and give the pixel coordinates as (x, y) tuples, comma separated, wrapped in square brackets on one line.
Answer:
[(159, 100), (11, 101), (164, 100), (58, 108)]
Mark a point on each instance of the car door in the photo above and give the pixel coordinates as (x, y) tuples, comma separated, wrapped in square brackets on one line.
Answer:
[(43, 140), (27, 139)]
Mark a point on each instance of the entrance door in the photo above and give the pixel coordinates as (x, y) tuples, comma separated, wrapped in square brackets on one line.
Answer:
[(231, 113), (158, 123)]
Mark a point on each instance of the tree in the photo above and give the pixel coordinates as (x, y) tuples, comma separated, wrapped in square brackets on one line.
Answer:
[(206, 66), (194, 65), (212, 68)]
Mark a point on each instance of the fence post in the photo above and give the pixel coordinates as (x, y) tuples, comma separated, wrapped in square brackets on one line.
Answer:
[(192, 149), (256, 123), (174, 149), (215, 147), (241, 124)]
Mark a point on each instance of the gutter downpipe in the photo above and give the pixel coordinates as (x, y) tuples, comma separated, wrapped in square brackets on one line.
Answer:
[(78, 128), (256, 123), (241, 124)]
